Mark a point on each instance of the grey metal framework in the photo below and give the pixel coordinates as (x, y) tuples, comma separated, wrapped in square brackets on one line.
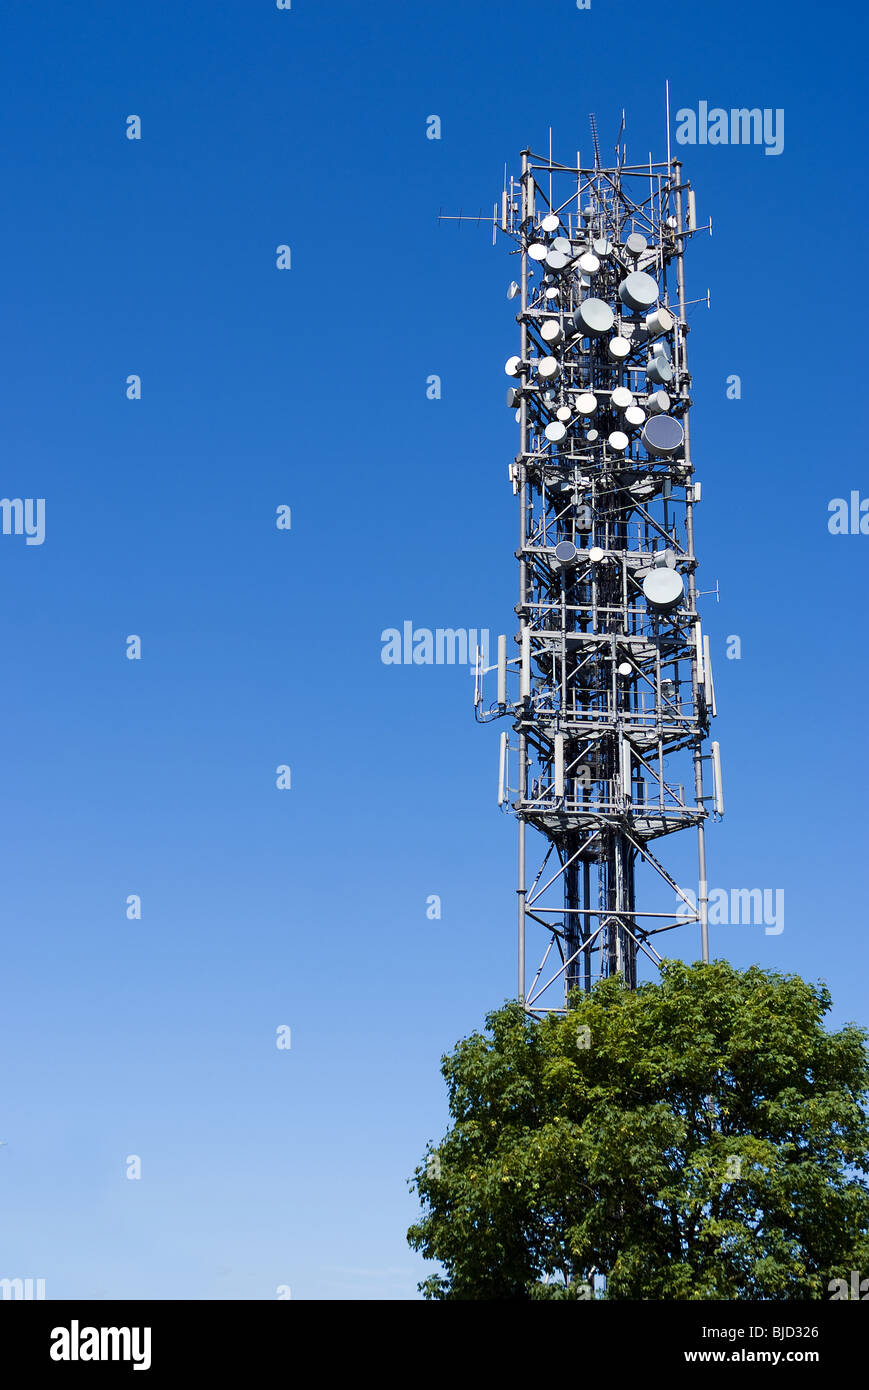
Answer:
[(614, 676)]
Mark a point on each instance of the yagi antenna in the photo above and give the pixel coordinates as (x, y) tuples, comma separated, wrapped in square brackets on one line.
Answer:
[(594, 139)]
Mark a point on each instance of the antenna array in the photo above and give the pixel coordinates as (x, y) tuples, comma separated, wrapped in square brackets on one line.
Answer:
[(612, 678)]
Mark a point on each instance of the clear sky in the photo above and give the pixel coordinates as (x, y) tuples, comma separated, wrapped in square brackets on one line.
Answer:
[(306, 387)]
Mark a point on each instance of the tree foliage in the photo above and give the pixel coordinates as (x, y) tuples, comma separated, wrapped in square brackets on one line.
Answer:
[(701, 1137)]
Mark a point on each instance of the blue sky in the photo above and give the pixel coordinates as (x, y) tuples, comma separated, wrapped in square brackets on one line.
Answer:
[(307, 387)]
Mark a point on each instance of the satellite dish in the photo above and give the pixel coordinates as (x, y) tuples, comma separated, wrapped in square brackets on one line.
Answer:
[(663, 589), (659, 369), (557, 261), (663, 435), (618, 349), (586, 404), (639, 291), (595, 555), (513, 396), (657, 403), (561, 243), (565, 552), (512, 290), (589, 264), (594, 316), (618, 441), (537, 251), (665, 559), (555, 431), (636, 245), (602, 247), (550, 330), (635, 417), (512, 365), (661, 321), (592, 436), (552, 294), (641, 490), (564, 412), (621, 398), (625, 668), (548, 368), (550, 223)]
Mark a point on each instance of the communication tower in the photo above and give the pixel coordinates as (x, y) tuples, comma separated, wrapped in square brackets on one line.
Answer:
[(609, 686)]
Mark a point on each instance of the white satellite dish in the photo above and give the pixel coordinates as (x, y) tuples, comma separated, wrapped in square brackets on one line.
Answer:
[(661, 321), (564, 412), (663, 589), (635, 245), (663, 435), (555, 431), (642, 489), (552, 293), (602, 246), (513, 397), (625, 668), (550, 223), (659, 369), (512, 365), (556, 261), (618, 441), (550, 330), (589, 264), (657, 403), (548, 368), (621, 398), (562, 244), (594, 316), (639, 291), (537, 251), (512, 290), (595, 555), (592, 436), (635, 417), (586, 404), (618, 349)]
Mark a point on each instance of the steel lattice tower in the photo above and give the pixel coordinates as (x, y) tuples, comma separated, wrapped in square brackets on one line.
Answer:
[(615, 688)]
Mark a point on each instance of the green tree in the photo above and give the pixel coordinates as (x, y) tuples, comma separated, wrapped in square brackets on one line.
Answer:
[(701, 1137)]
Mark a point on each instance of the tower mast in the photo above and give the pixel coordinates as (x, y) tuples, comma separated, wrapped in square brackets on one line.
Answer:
[(611, 680)]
